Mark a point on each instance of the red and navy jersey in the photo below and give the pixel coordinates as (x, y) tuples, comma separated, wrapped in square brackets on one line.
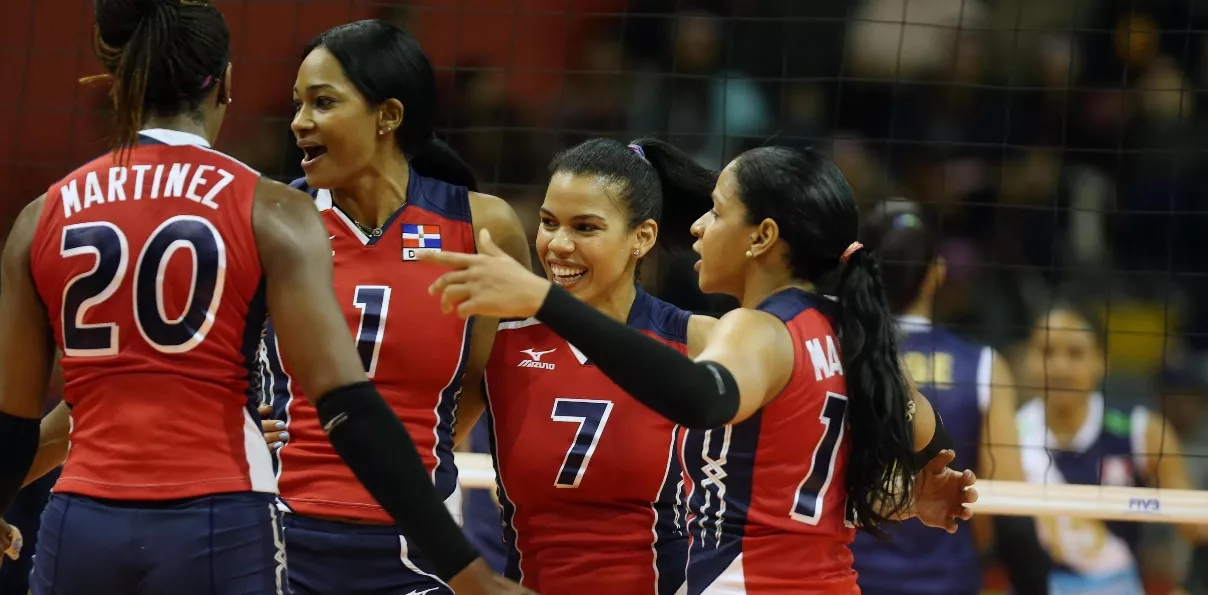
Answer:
[(413, 353), (768, 501), (151, 277), (590, 490), (954, 374)]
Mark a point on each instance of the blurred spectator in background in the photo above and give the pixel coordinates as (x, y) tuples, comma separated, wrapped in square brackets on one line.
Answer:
[(706, 107), (1072, 434)]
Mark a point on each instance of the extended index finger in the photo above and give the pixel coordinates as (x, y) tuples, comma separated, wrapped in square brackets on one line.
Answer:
[(453, 260)]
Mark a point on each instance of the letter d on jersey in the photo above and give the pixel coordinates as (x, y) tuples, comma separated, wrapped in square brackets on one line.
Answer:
[(413, 253)]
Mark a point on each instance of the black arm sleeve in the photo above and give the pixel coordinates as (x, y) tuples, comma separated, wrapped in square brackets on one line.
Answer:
[(380, 452), (20, 447), (693, 394), (1025, 560), (940, 440)]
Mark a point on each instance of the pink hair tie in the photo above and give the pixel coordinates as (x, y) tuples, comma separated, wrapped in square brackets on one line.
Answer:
[(852, 249)]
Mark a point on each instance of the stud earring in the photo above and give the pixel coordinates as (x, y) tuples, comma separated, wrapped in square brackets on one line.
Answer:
[(749, 254), (637, 252)]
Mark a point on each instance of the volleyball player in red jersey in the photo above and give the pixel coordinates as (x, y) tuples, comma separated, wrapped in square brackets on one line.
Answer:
[(789, 373), (591, 490), (152, 269), (386, 189)]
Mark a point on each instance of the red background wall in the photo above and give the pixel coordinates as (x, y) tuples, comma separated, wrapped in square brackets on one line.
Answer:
[(57, 123)]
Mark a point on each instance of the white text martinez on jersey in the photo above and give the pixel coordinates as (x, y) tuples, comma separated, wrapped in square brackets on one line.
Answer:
[(198, 183)]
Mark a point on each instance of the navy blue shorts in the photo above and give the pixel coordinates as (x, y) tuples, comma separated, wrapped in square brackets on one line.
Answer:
[(330, 558), (226, 544)]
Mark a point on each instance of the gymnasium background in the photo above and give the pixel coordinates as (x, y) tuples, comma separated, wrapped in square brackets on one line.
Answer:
[(1057, 143)]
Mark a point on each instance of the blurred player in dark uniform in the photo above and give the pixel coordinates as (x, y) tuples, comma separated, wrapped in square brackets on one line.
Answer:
[(387, 190), (790, 372), (972, 389), (589, 479), (151, 269)]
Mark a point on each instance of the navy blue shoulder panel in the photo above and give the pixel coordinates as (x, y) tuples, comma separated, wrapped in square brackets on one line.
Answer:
[(432, 195), (789, 303), (441, 198), (664, 320), (300, 184), (145, 139)]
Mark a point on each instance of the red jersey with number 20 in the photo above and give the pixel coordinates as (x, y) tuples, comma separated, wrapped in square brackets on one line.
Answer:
[(768, 497), (591, 493), (151, 277)]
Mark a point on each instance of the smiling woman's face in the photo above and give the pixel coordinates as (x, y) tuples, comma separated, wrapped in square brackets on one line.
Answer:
[(584, 240)]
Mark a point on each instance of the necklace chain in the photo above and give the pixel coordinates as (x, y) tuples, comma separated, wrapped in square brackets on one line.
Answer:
[(371, 232)]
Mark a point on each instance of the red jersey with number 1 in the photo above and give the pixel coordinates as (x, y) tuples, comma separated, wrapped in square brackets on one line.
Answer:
[(768, 497), (151, 277), (414, 354), (591, 493)]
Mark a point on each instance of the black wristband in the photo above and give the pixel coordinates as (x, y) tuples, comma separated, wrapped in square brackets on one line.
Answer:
[(1197, 573), (940, 440), (20, 447), (375, 445), (701, 395)]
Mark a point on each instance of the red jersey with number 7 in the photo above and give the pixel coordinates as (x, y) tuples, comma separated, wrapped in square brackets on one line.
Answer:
[(591, 493), (151, 278), (768, 504)]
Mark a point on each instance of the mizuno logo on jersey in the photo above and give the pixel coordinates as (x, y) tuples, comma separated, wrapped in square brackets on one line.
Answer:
[(536, 362), (419, 238)]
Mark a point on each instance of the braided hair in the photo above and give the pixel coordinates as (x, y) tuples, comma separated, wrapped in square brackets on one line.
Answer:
[(163, 57)]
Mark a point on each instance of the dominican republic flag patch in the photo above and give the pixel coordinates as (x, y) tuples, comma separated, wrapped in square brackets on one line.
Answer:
[(419, 238)]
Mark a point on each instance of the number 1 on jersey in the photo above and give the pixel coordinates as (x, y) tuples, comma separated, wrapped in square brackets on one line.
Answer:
[(592, 416), (374, 302), (811, 493)]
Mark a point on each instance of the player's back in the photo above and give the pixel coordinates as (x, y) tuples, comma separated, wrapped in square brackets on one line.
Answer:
[(954, 374), (768, 502), (151, 277), (590, 489)]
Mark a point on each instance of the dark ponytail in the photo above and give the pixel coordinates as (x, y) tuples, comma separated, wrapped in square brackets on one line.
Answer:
[(686, 186), (384, 62), (896, 231), (163, 57), (808, 198), (882, 437), (437, 160), (649, 177)]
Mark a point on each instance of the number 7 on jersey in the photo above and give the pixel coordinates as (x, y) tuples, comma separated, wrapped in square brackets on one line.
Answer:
[(592, 416)]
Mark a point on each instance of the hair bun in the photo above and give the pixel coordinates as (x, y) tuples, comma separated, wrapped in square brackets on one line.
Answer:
[(117, 20)]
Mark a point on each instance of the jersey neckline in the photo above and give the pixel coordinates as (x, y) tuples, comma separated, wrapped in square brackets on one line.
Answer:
[(174, 137)]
